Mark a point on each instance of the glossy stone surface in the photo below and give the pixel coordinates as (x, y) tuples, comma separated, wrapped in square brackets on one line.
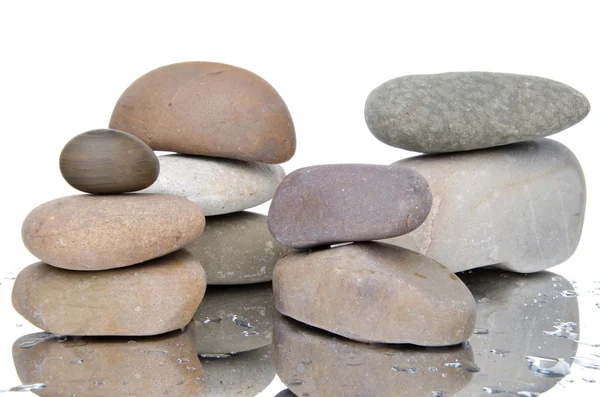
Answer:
[(104, 232), (108, 161), (149, 299), (237, 249), (240, 375), (219, 186), (327, 204), (520, 207), (209, 109), (451, 112), (374, 292), (234, 319), (317, 363), (100, 367)]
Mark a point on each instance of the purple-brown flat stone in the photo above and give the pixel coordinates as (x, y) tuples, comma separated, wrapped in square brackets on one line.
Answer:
[(327, 204)]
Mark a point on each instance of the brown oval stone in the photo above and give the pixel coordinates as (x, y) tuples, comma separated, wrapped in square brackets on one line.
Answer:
[(99, 367), (149, 299), (237, 249), (336, 203), (108, 161), (209, 109), (104, 232), (376, 293)]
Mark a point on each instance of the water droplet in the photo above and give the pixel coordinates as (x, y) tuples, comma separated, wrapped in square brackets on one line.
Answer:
[(589, 380), (155, 351), (215, 355), (521, 283), (453, 365), (548, 367), (555, 278), (30, 387), (190, 368), (493, 390), (99, 382), (587, 362), (481, 331), (598, 305), (199, 380), (527, 394), (78, 362), (131, 342), (569, 293), (404, 370), (294, 382), (214, 320), (250, 333), (563, 330), (183, 360), (432, 369), (124, 383), (483, 300), (241, 321), (438, 394), (19, 325), (501, 352)]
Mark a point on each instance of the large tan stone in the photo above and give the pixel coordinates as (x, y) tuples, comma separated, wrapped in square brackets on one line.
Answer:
[(209, 109), (375, 292), (152, 298), (311, 362), (103, 232), (101, 367)]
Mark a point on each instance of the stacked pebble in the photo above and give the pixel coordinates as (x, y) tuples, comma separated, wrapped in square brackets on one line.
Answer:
[(503, 195)]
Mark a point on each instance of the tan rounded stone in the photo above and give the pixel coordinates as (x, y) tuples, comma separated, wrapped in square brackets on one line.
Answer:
[(103, 232), (237, 249), (209, 109), (149, 299), (101, 367), (375, 292)]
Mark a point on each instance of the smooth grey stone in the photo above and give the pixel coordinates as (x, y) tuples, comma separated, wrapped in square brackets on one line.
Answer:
[(519, 207), (336, 203), (376, 293), (234, 319), (219, 186), (240, 375), (450, 112), (237, 249), (524, 315), (312, 362)]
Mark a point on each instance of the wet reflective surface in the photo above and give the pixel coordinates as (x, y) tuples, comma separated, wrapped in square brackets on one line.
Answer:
[(525, 341)]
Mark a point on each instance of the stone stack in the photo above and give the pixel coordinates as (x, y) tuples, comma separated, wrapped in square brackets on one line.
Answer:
[(365, 291), (503, 194)]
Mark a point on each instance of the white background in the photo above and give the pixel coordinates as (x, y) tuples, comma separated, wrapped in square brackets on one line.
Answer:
[(64, 64)]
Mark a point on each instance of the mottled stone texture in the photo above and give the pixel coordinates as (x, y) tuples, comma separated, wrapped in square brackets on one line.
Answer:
[(104, 232), (207, 109), (237, 249), (240, 375), (219, 186), (520, 315), (374, 292), (519, 206), (235, 319), (311, 362), (327, 204), (149, 299), (101, 367), (108, 161), (472, 110)]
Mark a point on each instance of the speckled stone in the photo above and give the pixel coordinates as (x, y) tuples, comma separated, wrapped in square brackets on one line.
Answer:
[(235, 319), (103, 232), (219, 186), (237, 249), (470, 110), (100, 367), (376, 293), (520, 207), (311, 362), (108, 161), (207, 109), (149, 299), (243, 374), (327, 204)]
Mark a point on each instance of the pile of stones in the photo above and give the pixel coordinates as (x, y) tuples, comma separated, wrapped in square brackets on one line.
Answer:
[(115, 283), (491, 190)]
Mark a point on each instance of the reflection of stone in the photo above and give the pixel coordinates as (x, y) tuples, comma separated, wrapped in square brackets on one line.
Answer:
[(285, 393), (518, 316), (241, 375), (312, 362), (101, 367), (235, 319)]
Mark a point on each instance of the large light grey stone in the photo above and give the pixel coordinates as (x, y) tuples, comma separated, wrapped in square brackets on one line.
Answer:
[(470, 110), (376, 293), (520, 207), (219, 186)]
